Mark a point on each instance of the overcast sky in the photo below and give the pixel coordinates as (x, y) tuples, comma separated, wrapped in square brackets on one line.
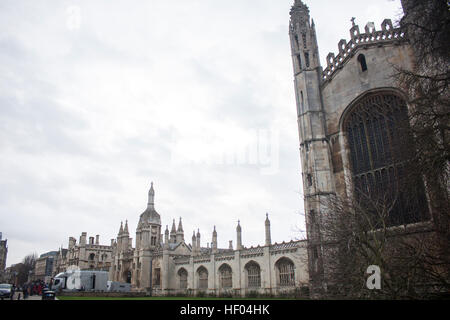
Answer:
[(99, 98)]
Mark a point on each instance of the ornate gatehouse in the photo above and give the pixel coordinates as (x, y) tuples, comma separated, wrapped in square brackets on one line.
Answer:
[(168, 265)]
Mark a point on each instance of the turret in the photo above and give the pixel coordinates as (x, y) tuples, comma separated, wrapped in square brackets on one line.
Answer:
[(119, 237), (239, 237), (198, 241), (267, 225), (151, 197), (214, 241), (180, 232), (125, 230), (83, 239), (72, 242), (125, 237), (166, 237), (305, 52), (97, 239), (173, 233), (194, 244), (120, 229), (148, 231)]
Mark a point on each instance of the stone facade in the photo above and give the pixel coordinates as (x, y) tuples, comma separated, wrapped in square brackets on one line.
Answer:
[(359, 74), (85, 255), (3, 253), (43, 270), (171, 266)]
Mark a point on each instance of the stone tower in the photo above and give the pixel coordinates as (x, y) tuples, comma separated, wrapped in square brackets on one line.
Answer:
[(148, 239), (314, 145), (340, 153)]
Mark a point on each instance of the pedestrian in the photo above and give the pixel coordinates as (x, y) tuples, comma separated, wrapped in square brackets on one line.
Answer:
[(24, 291), (13, 290)]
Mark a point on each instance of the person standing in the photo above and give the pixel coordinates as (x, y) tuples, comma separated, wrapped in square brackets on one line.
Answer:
[(13, 290)]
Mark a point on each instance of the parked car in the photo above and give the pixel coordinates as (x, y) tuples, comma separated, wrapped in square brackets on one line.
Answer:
[(5, 290), (48, 295)]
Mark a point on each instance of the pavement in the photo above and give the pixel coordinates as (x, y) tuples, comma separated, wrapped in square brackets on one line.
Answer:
[(33, 297)]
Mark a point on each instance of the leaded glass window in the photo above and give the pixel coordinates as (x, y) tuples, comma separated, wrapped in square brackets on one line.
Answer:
[(286, 272), (225, 274), (253, 275), (376, 136), (183, 275), (202, 278)]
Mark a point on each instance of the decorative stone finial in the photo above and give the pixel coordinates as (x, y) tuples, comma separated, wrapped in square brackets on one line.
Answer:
[(151, 197)]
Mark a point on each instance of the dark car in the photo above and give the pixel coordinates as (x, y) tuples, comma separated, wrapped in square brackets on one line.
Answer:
[(48, 295), (5, 290)]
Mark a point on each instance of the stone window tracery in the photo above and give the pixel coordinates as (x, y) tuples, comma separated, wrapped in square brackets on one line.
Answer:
[(183, 275), (253, 275), (226, 281), (202, 278), (376, 143), (286, 272)]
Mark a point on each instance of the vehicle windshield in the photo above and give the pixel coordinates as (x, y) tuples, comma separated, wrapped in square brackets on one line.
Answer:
[(5, 286)]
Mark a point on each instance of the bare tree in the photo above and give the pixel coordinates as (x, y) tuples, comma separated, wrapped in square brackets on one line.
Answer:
[(23, 269)]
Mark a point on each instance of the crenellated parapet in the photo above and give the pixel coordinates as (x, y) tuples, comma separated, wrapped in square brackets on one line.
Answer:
[(387, 35)]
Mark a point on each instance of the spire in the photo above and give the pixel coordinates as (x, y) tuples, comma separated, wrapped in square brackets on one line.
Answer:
[(194, 244), (239, 237), (173, 233), (151, 197), (174, 230), (198, 240), (267, 223), (121, 228), (167, 231), (214, 241), (180, 226), (180, 232), (126, 227), (166, 236)]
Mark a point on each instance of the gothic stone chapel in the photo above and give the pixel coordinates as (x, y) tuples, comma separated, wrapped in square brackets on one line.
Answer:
[(347, 122)]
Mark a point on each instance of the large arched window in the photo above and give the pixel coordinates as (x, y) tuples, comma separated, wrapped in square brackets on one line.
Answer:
[(183, 275), (286, 272), (376, 128), (253, 275), (225, 274), (202, 278)]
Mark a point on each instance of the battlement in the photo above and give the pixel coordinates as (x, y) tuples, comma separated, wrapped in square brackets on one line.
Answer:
[(387, 34)]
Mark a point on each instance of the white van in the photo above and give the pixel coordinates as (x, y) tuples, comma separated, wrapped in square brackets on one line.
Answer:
[(81, 280)]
